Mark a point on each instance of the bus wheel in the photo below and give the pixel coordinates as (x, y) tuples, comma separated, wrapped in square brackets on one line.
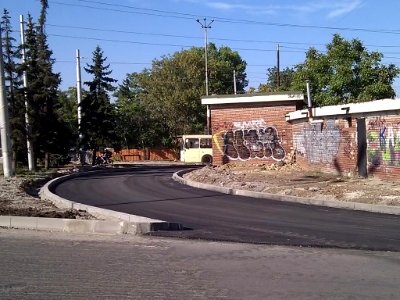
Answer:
[(207, 160)]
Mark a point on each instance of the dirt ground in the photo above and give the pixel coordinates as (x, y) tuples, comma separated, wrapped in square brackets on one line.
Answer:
[(290, 179), (19, 197)]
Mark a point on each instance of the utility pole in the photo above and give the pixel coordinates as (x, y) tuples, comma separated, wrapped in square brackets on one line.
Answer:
[(79, 91), (234, 82), (278, 75), (206, 26), (309, 100), (4, 121), (31, 163), (79, 100)]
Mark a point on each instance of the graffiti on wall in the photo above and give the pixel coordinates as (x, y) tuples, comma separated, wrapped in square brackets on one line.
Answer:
[(318, 142), (383, 141), (253, 139)]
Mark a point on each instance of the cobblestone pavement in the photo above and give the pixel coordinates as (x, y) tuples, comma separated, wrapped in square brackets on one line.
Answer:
[(45, 265)]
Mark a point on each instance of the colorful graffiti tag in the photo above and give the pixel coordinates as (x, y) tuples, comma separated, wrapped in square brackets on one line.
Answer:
[(383, 142), (252, 140), (318, 142)]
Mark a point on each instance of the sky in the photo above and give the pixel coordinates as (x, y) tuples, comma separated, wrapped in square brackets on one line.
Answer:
[(132, 33)]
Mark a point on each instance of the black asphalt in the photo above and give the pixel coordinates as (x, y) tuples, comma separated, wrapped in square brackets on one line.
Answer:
[(151, 192)]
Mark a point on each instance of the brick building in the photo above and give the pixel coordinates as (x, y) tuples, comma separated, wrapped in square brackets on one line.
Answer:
[(357, 138), (252, 128), (361, 138)]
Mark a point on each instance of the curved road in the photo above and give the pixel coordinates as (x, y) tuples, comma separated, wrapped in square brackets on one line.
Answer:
[(151, 192)]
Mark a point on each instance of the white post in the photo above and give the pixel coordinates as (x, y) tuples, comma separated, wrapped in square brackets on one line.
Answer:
[(309, 101), (4, 121), (234, 81), (31, 164), (78, 87)]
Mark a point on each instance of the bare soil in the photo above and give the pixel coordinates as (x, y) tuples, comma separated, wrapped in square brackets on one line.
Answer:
[(19, 197), (290, 179)]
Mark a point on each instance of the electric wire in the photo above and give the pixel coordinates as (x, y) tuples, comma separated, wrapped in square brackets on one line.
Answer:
[(180, 15)]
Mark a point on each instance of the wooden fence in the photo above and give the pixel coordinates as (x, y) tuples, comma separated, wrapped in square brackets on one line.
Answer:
[(146, 154)]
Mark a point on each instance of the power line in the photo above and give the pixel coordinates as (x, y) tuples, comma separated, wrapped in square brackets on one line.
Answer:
[(119, 41), (160, 44), (187, 16), (213, 38)]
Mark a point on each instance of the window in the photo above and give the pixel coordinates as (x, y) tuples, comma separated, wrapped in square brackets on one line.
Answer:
[(205, 143), (192, 143)]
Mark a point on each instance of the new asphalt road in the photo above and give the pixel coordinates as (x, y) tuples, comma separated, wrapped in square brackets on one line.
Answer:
[(151, 192)]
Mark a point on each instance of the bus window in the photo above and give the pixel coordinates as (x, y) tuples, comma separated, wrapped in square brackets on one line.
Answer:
[(205, 143), (192, 143)]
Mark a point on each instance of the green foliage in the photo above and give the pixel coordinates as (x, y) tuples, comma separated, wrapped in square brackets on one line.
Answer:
[(286, 78), (221, 64), (346, 73), (48, 132), (134, 126), (158, 104), (14, 93), (98, 115), (67, 111)]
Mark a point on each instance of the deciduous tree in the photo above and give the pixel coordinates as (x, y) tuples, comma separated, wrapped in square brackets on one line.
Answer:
[(347, 72), (169, 93)]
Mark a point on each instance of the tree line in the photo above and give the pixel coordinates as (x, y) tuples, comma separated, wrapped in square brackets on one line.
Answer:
[(152, 107)]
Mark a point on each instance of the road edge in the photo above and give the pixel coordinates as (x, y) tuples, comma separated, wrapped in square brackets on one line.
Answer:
[(374, 208), (110, 221)]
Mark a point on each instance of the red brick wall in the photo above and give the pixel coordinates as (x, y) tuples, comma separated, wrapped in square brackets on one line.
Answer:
[(333, 146), (251, 133), (255, 133), (330, 145), (383, 151)]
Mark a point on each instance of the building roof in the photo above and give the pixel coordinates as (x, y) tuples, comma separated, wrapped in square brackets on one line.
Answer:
[(363, 109), (253, 98)]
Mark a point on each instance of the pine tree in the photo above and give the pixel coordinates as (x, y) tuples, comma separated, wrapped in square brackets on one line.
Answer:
[(98, 118), (32, 74), (49, 125), (47, 129), (14, 92)]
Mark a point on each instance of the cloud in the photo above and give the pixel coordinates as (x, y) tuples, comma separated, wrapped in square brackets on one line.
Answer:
[(345, 8), (330, 8)]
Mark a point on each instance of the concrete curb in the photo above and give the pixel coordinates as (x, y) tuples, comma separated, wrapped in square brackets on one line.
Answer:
[(128, 223), (383, 209), (65, 225)]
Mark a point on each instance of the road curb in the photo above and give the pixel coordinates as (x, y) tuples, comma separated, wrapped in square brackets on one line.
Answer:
[(131, 224), (383, 209), (65, 225)]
